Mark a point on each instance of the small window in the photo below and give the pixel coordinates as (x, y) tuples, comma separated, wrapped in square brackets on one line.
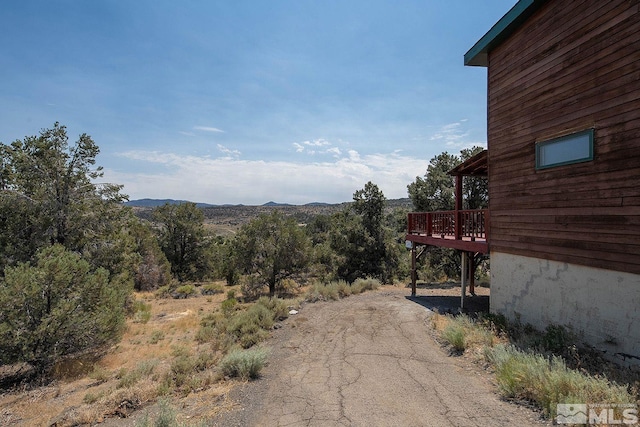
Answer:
[(574, 148)]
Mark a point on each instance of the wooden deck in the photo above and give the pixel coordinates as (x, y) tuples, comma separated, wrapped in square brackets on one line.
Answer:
[(466, 230)]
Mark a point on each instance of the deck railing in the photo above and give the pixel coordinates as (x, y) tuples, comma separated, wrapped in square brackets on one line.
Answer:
[(471, 224)]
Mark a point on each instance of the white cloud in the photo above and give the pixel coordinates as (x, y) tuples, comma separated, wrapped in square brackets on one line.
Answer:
[(208, 129), (228, 152), (232, 180), (335, 151), (317, 143), (454, 136), (316, 147)]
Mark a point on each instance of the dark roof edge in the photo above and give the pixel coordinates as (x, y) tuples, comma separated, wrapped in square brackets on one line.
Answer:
[(520, 12)]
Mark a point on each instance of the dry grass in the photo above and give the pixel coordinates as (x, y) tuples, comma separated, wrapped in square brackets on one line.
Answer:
[(525, 373), (133, 374)]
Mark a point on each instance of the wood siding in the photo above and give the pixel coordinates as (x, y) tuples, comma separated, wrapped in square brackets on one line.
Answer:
[(574, 65)]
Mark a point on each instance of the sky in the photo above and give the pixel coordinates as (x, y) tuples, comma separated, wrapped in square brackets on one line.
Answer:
[(249, 101)]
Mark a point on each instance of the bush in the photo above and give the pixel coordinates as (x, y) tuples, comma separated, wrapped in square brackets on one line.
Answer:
[(548, 381), (211, 289), (340, 289), (251, 287), (278, 307), (184, 370), (362, 285), (251, 327), (156, 337), (141, 312), (323, 292), (184, 291), (213, 329), (245, 364), (228, 305), (130, 378), (58, 307), (163, 291), (462, 332)]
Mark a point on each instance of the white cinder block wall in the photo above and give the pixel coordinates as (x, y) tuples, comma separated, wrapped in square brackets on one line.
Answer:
[(601, 306)]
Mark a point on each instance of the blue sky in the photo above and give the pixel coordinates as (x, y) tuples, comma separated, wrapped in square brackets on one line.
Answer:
[(247, 101)]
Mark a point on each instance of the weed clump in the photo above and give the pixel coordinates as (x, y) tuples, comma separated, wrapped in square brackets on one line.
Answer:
[(184, 291), (533, 368), (548, 381), (234, 324), (141, 312), (340, 289), (211, 289), (462, 332), (245, 364)]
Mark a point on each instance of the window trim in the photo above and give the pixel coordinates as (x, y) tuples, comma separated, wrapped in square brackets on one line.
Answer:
[(540, 145)]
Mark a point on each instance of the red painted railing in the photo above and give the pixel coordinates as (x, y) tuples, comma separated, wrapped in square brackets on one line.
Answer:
[(470, 224)]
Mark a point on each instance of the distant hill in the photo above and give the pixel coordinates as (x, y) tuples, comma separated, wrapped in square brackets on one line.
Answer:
[(275, 204), (152, 203), (226, 220)]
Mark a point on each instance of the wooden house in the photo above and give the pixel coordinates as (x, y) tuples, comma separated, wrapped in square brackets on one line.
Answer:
[(563, 137)]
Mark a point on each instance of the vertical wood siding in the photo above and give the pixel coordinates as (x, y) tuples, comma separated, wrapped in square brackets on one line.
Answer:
[(574, 65)]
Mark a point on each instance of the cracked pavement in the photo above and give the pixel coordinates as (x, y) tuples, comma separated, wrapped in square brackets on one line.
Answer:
[(369, 360)]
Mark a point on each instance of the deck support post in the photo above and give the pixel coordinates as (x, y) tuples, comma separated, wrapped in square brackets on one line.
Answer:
[(463, 278), (472, 271), (458, 215), (414, 273)]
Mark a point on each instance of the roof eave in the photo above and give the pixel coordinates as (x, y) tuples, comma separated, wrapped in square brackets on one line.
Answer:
[(478, 55)]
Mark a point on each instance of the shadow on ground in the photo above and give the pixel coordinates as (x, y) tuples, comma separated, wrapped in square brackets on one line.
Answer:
[(451, 304)]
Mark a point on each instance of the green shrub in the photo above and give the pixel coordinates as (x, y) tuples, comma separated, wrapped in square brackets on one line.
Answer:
[(142, 370), (163, 291), (251, 327), (278, 307), (251, 287), (141, 312), (58, 307), (99, 374), (185, 367), (181, 367), (156, 337), (462, 332), (455, 335), (211, 289), (228, 305), (340, 289), (556, 339), (184, 291), (368, 284), (495, 322), (548, 381), (213, 329), (167, 417), (245, 364), (323, 292), (91, 398)]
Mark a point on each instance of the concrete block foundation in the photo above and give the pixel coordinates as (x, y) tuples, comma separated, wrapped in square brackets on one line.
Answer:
[(602, 307)]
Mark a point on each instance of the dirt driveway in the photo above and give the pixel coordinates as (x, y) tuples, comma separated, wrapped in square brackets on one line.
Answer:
[(369, 360)]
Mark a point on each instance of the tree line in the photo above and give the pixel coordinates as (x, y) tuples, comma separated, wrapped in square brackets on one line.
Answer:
[(71, 253)]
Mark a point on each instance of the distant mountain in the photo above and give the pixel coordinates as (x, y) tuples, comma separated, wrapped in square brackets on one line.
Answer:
[(274, 204), (152, 203)]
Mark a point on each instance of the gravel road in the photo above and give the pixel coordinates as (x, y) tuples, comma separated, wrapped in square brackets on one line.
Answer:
[(369, 360)]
